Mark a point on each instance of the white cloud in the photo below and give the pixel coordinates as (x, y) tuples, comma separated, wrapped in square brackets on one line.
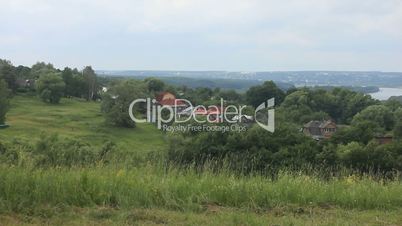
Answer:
[(266, 25)]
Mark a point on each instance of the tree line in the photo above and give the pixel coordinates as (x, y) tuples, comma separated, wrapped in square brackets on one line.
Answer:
[(49, 83)]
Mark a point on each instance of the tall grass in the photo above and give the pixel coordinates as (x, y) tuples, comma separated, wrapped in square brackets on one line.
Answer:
[(22, 189)]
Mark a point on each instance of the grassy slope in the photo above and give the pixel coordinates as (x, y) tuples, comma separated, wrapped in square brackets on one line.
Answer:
[(52, 197), (75, 118), (210, 216), (152, 187)]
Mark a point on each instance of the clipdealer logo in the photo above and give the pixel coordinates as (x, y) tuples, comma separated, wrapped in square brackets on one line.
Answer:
[(232, 114)]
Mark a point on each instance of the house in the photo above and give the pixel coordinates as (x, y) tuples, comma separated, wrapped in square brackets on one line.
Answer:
[(25, 83), (386, 139), (243, 118), (168, 99), (193, 110), (320, 129)]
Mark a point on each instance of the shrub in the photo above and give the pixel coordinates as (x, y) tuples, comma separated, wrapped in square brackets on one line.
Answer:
[(51, 151), (50, 87), (116, 102)]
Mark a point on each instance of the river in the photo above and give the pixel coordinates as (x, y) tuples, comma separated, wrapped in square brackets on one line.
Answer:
[(386, 93)]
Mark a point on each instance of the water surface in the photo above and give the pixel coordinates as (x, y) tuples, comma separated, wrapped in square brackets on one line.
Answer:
[(386, 93)]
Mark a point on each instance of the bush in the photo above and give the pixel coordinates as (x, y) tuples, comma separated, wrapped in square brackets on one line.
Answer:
[(50, 87), (255, 150), (8, 155), (51, 151), (116, 102)]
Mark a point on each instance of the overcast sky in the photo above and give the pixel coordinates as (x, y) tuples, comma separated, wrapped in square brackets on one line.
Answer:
[(248, 35)]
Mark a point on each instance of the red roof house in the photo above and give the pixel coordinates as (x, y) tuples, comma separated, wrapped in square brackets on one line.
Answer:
[(168, 99)]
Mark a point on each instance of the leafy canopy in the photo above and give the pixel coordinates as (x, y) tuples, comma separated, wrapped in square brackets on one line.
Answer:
[(50, 87)]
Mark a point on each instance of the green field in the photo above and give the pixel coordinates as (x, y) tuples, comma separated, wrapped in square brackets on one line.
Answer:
[(153, 194), (76, 119)]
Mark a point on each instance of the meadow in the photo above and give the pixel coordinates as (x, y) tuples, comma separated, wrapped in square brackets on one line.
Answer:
[(151, 192), (76, 119)]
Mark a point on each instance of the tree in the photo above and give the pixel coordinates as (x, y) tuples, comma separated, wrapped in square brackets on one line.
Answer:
[(90, 79), (41, 68), (75, 84), (398, 124), (229, 95), (154, 85), (4, 103), (260, 94), (362, 132), (296, 107), (50, 87), (116, 102), (378, 114), (355, 104), (7, 72), (353, 155), (23, 72), (398, 130)]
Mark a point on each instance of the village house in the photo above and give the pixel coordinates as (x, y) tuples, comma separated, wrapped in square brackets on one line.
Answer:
[(320, 129), (25, 83), (168, 99), (385, 139)]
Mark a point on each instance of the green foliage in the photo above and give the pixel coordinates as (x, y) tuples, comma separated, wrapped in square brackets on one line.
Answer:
[(260, 94), (398, 130), (76, 86), (23, 72), (76, 119), (231, 96), (154, 85), (396, 98), (116, 102), (52, 151), (50, 87), (380, 115), (91, 82), (8, 156), (24, 189), (371, 157), (398, 123), (7, 72), (393, 103), (199, 95), (253, 150), (362, 132), (41, 68), (4, 102), (338, 104)]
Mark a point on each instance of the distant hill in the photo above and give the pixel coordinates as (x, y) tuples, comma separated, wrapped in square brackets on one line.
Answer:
[(298, 78), (359, 89), (239, 85)]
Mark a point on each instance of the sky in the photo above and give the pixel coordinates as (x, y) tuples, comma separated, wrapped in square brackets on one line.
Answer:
[(230, 35)]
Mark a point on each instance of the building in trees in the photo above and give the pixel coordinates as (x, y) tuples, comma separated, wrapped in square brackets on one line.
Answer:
[(384, 139), (25, 83), (320, 129), (168, 99)]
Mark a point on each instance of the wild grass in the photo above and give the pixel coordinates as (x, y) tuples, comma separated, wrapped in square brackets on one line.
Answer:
[(211, 216), (22, 189), (38, 180)]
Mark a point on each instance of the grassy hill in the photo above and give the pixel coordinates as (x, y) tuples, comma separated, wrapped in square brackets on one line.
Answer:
[(77, 119), (116, 193)]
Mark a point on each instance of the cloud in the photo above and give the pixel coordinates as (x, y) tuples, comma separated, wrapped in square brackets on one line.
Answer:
[(91, 27)]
